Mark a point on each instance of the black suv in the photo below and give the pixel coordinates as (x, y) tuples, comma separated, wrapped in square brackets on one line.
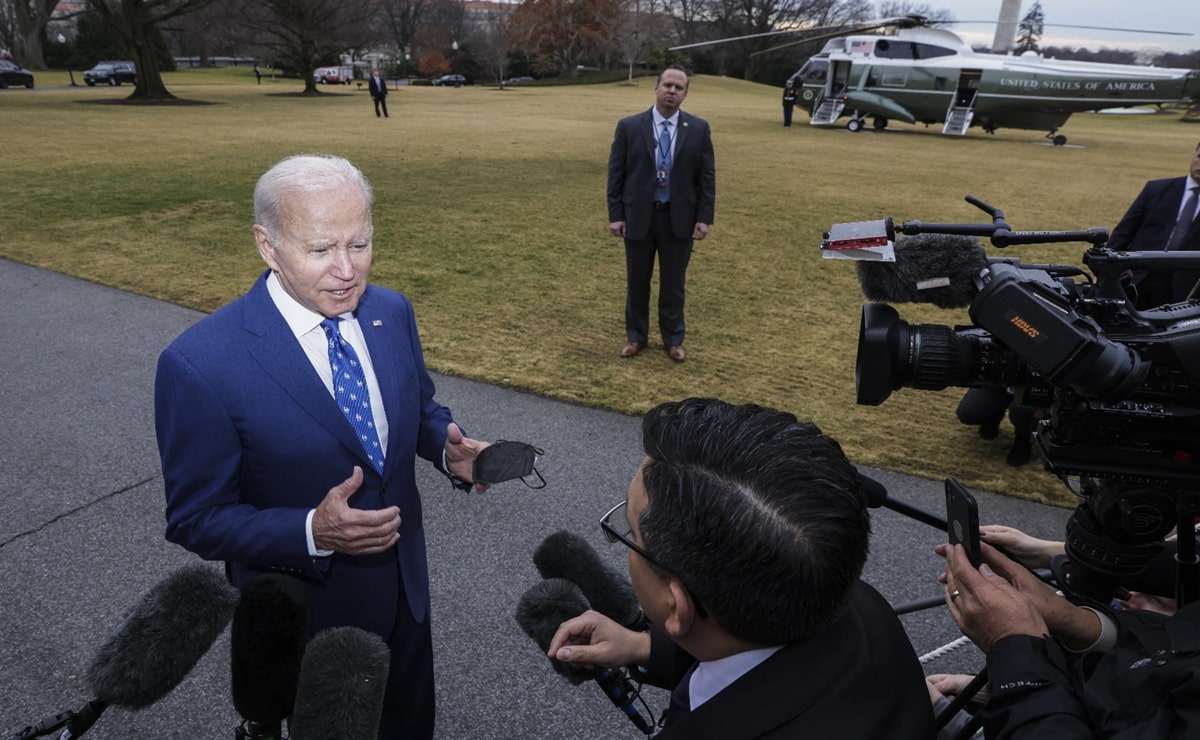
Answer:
[(114, 73), (11, 74)]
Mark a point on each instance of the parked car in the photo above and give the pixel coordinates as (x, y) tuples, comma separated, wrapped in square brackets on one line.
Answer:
[(111, 73), (517, 80), (454, 80), (333, 75), (11, 74)]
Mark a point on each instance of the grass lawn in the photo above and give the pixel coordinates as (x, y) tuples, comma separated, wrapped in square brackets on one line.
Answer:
[(490, 215)]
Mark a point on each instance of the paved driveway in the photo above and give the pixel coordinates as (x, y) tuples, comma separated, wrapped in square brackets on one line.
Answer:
[(81, 530)]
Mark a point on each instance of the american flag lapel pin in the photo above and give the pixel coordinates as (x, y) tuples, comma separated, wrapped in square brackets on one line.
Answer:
[(376, 322)]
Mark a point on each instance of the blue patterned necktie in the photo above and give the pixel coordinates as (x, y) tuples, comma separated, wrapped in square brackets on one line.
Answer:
[(664, 162), (350, 390)]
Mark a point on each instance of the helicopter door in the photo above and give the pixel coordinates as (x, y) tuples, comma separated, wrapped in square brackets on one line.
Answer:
[(835, 86), (960, 113)]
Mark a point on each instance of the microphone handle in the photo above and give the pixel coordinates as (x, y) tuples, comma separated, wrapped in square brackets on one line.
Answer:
[(83, 720), (622, 693), (251, 730)]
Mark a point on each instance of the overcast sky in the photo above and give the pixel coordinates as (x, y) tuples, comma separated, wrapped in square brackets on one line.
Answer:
[(1153, 15)]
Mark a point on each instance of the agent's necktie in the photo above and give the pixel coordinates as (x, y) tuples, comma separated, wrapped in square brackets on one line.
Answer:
[(1184, 224), (664, 163), (350, 391)]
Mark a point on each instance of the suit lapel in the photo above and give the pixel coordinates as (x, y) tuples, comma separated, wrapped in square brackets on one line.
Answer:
[(386, 363), (281, 357)]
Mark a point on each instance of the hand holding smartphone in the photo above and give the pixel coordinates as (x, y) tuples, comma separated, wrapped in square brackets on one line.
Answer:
[(962, 520)]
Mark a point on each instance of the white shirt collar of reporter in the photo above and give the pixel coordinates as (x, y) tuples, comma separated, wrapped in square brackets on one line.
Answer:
[(714, 676)]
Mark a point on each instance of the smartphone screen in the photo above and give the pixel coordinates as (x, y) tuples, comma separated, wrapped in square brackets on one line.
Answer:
[(962, 520)]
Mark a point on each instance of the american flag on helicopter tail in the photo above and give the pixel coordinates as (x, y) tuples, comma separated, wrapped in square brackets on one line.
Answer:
[(862, 46)]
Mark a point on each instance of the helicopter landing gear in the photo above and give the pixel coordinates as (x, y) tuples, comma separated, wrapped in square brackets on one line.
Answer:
[(1056, 139), (854, 125), (880, 123)]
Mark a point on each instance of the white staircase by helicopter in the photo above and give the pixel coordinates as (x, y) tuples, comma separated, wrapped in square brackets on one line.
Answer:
[(958, 120), (827, 112)]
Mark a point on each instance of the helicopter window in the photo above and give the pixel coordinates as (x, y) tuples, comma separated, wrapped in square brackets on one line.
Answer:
[(895, 79), (816, 73), (910, 50)]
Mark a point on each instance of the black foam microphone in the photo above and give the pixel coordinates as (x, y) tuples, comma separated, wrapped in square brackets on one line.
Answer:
[(157, 645), (343, 678), (270, 629), (929, 268), (547, 605), (567, 555)]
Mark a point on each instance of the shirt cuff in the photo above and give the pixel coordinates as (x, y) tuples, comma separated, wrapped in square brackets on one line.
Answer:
[(312, 545), (1108, 634)]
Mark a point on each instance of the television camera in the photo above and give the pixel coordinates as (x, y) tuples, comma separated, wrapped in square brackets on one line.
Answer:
[(1121, 386)]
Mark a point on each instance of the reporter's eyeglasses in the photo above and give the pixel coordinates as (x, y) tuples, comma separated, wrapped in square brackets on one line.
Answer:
[(616, 528)]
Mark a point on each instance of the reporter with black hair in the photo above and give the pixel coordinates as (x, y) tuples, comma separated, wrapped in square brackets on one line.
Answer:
[(747, 533)]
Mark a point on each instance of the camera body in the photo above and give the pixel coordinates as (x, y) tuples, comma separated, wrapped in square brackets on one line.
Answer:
[(1121, 387)]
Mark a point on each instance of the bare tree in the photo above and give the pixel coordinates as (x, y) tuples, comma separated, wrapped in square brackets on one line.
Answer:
[(1029, 30), (138, 23), (489, 37), (562, 33), (24, 24), (302, 34), (403, 20)]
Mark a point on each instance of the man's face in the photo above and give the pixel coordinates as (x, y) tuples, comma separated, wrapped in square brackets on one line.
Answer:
[(670, 91), (1195, 169), (648, 585), (322, 254)]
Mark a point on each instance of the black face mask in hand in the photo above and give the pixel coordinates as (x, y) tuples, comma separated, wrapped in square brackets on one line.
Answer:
[(503, 461)]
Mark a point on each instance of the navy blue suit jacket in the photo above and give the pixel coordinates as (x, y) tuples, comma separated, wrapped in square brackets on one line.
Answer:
[(631, 171), (251, 440), (1147, 225)]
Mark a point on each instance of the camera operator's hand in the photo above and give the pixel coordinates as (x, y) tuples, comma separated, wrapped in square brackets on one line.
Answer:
[(986, 607), (1075, 627), (593, 640), (1025, 549)]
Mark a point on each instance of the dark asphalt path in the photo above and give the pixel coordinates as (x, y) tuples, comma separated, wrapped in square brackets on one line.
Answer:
[(81, 530)]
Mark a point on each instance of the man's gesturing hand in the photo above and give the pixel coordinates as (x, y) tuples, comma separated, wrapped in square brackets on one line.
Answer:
[(339, 527)]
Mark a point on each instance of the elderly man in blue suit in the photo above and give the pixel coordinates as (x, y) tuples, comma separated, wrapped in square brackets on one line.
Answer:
[(1163, 217), (289, 420)]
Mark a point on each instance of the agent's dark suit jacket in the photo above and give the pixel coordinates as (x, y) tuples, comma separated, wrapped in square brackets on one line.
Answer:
[(1146, 227), (377, 88), (251, 440), (858, 679), (631, 170)]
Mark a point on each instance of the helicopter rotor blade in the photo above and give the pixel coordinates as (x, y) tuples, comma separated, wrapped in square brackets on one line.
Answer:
[(841, 30)]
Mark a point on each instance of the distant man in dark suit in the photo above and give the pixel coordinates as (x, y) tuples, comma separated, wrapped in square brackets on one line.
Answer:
[(289, 421), (747, 532), (662, 191), (1158, 220), (377, 86)]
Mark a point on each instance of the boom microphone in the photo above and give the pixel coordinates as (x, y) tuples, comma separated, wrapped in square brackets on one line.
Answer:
[(547, 605), (343, 677), (266, 644), (157, 645), (929, 268), (567, 555)]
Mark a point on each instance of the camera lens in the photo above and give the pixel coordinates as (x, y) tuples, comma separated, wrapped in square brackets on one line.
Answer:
[(893, 353)]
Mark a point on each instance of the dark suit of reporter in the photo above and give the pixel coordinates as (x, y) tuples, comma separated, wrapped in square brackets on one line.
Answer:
[(748, 534), (1147, 226), (649, 230)]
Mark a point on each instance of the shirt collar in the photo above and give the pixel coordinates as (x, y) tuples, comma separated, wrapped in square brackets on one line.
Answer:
[(658, 118), (713, 676), (299, 319)]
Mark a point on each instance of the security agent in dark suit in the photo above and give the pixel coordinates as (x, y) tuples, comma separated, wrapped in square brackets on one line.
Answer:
[(662, 190), (377, 86), (261, 464), (1156, 221), (747, 532)]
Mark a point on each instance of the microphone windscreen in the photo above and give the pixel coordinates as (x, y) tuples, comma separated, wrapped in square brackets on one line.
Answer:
[(167, 633), (270, 629), (929, 268), (567, 555), (543, 608), (343, 677)]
